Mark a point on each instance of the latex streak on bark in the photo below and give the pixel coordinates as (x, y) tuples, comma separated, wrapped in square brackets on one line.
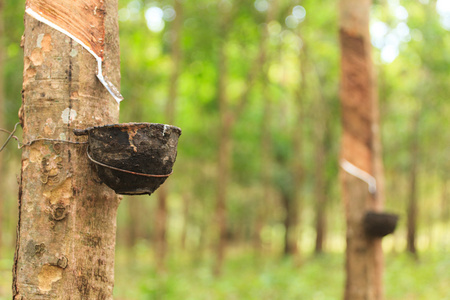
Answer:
[(96, 51)]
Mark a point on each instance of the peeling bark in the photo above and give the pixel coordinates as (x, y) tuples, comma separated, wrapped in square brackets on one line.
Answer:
[(67, 220)]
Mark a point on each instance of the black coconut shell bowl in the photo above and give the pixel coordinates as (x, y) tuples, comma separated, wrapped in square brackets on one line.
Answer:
[(132, 158)]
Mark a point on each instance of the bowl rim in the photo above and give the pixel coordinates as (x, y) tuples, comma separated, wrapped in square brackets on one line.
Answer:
[(129, 125)]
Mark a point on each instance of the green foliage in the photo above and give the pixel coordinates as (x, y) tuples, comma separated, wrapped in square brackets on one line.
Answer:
[(246, 277), (13, 64)]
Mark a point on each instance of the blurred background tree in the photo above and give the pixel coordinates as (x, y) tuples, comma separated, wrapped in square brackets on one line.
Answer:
[(284, 144)]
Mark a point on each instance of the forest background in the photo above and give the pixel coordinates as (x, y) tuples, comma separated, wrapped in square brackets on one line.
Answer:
[(277, 88)]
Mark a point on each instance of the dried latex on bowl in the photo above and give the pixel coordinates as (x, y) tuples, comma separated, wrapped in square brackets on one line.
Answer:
[(81, 20)]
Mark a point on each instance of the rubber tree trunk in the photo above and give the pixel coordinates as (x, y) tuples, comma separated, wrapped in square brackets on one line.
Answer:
[(67, 220), (361, 147)]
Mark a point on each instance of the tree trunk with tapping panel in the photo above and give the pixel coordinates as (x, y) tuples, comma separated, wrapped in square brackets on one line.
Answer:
[(361, 147), (67, 220)]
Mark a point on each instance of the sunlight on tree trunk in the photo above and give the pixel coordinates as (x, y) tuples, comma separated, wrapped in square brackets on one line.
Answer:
[(67, 221)]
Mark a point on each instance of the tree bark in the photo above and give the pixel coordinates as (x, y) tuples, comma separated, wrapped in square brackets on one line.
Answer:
[(360, 146), (67, 221), (161, 213)]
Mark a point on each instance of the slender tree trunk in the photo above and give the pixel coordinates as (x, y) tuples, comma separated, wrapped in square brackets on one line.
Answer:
[(263, 206), (320, 189), (291, 198), (223, 176), (161, 229), (360, 146), (67, 221), (296, 167), (185, 220), (133, 209), (224, 144), (445, 198), (161, 213), (290, 224), (412, 203), (2, 115), (321, 185), (176, 61), (228, 117)]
